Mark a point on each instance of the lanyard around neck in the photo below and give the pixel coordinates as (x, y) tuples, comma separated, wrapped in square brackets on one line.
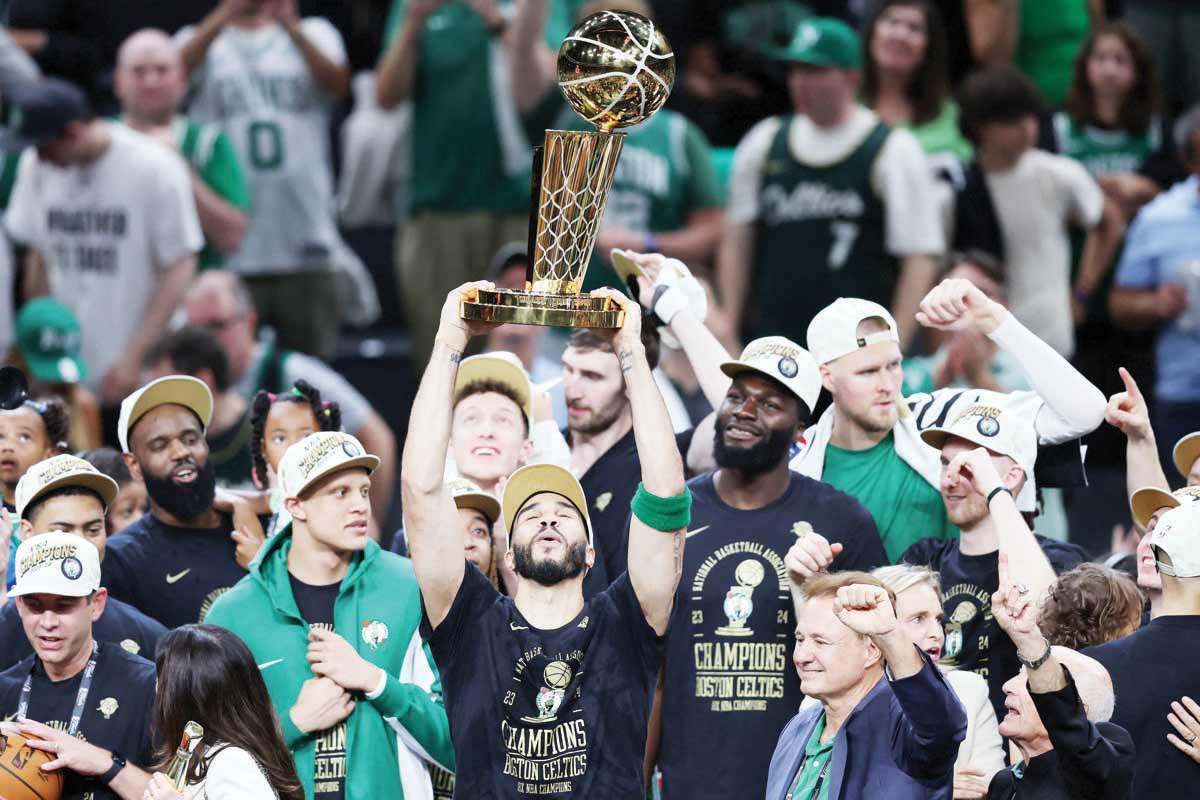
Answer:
[(80, 699)]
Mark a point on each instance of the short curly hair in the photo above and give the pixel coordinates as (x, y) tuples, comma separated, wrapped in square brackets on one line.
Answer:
[(1090, 605)]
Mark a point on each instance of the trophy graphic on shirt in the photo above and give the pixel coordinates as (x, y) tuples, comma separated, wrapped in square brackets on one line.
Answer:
[(615, 69), (963, 613), (557, 677), (739, 602)]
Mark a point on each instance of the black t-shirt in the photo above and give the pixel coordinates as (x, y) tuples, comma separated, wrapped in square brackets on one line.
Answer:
[(1150, 668), (315, 604), (546, 713), (609, 486), (116, 715), (172, 574), (730, 685), (121, 624), (973, 639)]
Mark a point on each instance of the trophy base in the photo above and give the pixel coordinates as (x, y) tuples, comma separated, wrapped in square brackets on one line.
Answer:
[(533, 308)]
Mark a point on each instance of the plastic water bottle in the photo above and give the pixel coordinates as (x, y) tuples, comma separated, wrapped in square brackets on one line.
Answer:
[(1189, 277)]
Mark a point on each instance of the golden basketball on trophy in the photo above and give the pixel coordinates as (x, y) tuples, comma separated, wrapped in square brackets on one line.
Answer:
[(615, 69)]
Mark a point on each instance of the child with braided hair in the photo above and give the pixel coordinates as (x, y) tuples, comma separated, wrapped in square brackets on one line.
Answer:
[(278, 421), (29, 433)]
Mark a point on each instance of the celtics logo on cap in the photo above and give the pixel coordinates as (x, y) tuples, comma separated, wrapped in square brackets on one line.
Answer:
[(71, 568), (351, 449), (988, 426), (788, 367)]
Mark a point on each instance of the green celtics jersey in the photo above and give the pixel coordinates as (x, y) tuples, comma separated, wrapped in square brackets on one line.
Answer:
[(665, 173), (1104, 152), (211, 155), (458, 159), (905, 507), (821, 236)]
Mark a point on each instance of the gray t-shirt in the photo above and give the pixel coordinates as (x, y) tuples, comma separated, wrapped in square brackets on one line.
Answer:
[(324, 378), (106, 231)]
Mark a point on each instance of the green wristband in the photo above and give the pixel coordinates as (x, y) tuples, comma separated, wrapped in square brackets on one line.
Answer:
[(662, 513)]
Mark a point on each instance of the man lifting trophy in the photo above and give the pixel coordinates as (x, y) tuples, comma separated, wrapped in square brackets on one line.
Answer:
[(615, 69)]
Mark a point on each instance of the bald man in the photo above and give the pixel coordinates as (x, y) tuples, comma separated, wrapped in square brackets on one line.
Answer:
[(150, 84), (219, 301)]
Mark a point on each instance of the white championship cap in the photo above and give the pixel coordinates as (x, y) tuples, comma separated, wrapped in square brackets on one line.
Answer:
[(1186, 451), (833, 332), (320, 454), (64, 470), (57, 563), (1178, 535), (468, 495), (782, 360), (182, 390), (993, 428)]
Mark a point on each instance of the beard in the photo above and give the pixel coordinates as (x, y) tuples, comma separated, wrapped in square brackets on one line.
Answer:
[(756, 459), (184, 500), (879, 422), (967, 513), (548, 572), (599, 420)]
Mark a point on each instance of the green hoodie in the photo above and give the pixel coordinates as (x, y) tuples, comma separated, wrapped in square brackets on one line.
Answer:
[(378, 611)]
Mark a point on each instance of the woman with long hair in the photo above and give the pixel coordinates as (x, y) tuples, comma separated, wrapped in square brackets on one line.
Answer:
[(207, 675), (904, 78)]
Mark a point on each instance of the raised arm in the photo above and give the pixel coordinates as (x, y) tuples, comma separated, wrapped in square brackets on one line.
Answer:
[(532, 62), (1127, 410), (396, 72), (429, 512), (1072, 406), (1028, 565), (194, 50), (655, 555)]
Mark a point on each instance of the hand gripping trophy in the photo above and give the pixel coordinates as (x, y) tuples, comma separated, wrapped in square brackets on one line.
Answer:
[(615, 69)]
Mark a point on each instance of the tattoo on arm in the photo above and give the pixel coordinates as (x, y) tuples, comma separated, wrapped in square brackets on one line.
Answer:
[(625, 358), (455, 357)]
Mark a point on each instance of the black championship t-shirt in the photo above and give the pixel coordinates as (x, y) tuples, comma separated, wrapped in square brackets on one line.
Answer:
[(1151, 668), (116, 714), (973, 639), (730, 686), (609, 485), (315, 604), (121, 624), (173, 574), (546, 713)]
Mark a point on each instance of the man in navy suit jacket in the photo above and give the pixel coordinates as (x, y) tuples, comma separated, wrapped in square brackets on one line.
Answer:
[(888, 725)]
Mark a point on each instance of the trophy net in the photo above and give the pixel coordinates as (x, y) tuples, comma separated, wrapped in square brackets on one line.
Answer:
[(577, 173)]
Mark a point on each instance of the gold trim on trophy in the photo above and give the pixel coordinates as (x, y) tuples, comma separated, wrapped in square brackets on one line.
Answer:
[(615, 69)]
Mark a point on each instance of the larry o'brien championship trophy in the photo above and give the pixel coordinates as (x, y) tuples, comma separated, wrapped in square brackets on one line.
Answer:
[(615, 69)]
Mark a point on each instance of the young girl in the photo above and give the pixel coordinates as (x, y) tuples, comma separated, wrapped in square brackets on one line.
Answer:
[(1111, 123), (32, 432), (276, 423), (131, 501), (36, 430), (207, 675)]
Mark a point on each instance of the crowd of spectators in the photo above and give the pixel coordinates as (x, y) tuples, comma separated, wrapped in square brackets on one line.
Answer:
[(866, 495)]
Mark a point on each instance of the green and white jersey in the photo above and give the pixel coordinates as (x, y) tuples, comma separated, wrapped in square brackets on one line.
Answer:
[(469, 150), (211, 154), (256, 86), (664, 174), (1103, 151)]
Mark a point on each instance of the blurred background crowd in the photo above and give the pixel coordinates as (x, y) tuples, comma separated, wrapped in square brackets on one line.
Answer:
[(258, 191)]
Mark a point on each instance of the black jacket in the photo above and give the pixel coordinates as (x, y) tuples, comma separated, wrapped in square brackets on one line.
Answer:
[(1089, 761)]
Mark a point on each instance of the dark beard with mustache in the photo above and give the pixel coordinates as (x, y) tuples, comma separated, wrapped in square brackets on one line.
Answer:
[(547, 572), (184, 500), (756, 459)]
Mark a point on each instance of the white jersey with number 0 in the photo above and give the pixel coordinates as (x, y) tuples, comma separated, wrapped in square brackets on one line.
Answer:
[(256, 86)]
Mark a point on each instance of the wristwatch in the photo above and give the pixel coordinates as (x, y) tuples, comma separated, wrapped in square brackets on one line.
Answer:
[(118, 764), (1037, 662)]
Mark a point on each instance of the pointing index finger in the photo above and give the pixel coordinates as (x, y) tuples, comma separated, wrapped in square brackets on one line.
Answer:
[(1130, 384)]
